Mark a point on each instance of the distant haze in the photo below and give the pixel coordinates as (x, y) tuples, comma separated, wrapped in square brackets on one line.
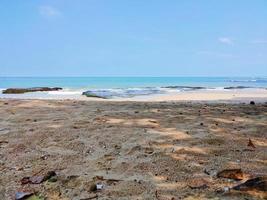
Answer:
[(133, 38)]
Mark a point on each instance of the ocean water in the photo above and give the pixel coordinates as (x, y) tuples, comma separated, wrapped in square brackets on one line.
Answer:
[(112, 87)]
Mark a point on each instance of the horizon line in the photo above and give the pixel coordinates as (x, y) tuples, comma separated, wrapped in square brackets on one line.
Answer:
[(133, 76)]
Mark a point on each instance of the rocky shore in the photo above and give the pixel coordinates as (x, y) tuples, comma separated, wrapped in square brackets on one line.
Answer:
[(33, 89)]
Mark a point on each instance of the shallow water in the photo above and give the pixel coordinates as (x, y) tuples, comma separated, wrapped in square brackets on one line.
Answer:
[(112, 87)]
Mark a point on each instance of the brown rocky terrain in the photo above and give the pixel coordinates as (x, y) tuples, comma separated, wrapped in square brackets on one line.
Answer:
[(131, 150)]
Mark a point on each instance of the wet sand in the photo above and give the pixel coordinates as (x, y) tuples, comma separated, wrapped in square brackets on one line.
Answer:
[(136, 150), (214, 95)]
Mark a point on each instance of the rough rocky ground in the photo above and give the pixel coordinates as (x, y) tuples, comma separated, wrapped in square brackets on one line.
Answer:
[(160, 150)]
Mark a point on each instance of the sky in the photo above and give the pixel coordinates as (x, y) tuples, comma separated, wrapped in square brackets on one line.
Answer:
[(133, 38)]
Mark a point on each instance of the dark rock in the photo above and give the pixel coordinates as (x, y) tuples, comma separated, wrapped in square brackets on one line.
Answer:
[(252, 103), (206, 172), (38, 179), (236, 87), (3, 141), (184, 87), (25, 180), (149, 150), (92, 187), (202, 187), (49, 175), (90, 94), (34, 89), (52, 179), (259, 184), (250, 144)]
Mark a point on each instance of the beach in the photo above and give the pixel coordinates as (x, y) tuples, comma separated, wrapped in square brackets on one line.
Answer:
[(149, 89), (133, 100), (204, 95), (158, 149)]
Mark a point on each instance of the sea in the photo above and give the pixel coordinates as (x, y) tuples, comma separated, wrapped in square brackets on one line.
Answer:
[(124, 87)]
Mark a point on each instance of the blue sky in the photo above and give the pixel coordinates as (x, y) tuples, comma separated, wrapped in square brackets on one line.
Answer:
[(133, 38)]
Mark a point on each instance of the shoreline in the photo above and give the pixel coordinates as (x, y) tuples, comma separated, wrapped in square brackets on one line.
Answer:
[(207, 95)]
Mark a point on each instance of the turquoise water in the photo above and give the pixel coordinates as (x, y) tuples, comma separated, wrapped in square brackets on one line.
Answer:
[(129, 82), (125, 87)]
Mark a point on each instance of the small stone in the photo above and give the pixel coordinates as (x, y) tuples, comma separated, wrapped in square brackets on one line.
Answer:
[(22, 195), (250, 143), (202, 187), (99, 186), (44, 157), (252, 103), (93, 187), (116, 146), (255, 184), (52, 179), (149, 150), (17, 168), (226, 189)]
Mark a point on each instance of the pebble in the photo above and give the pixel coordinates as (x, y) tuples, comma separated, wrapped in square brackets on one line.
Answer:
[(252, 102), (99, 186), (226, 189)]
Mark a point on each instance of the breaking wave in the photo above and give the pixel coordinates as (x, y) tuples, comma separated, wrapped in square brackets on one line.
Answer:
[(132, 92)]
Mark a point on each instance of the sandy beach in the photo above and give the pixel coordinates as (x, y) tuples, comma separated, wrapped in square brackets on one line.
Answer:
[(225, 96), (133, 100), (132, 150), (212, 95)]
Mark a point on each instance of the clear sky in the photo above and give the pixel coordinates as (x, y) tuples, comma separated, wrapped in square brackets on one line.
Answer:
[(133, 38)]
